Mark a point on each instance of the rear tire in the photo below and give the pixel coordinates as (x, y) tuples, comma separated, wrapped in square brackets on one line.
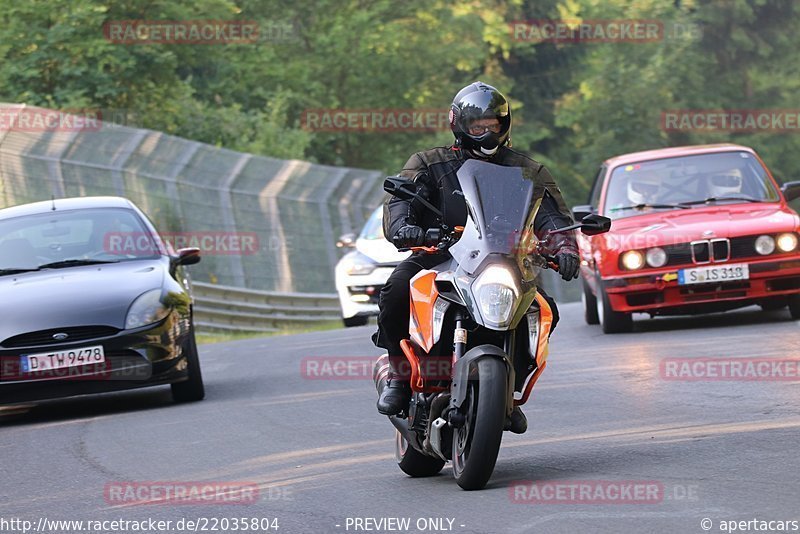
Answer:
[(477, 443), (794, 306), (358, 320), (589, 304), (612, 322), (414, 463), (191, 389)]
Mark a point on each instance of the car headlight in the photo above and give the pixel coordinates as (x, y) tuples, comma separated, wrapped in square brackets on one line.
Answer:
[(496, 293), (633, 260), (358, 264), (786, 242), (765, 244), (146, 309), (656, 257)]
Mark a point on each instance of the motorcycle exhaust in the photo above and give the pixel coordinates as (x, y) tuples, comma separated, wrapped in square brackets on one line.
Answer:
[(380, 373)]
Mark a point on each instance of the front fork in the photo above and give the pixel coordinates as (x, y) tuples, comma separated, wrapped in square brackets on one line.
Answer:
[(454, 416)]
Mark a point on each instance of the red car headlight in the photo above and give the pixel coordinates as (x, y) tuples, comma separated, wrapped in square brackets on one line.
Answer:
[(633, 260), (656, 257), (786, 242)]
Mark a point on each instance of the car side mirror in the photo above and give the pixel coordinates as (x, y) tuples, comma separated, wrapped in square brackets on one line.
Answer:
[(400, 187), (579, 212), (791, 190), (595, 224), (346, 241), (187, 256)]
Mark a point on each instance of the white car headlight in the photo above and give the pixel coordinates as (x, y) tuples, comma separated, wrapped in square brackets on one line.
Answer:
[(146, 309), (765, 245), (656, 257), (786, 242), (358, 264), (496, 293)]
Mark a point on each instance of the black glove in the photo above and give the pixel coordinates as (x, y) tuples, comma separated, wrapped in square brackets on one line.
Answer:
[(568, 263), (409, 236)]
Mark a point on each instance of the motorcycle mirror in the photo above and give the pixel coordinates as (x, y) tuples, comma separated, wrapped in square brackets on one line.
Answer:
[(405, 189), (400, 187), (595, 224)]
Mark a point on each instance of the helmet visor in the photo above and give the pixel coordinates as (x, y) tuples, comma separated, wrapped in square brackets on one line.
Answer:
[(483, 112)]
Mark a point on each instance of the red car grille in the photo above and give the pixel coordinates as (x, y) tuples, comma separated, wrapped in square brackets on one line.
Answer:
[(735, 248)]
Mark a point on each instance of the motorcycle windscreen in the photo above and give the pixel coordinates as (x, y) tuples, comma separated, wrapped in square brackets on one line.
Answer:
[(501, 205)]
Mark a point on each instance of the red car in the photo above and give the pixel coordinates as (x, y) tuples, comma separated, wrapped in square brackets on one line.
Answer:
[(695, 229)]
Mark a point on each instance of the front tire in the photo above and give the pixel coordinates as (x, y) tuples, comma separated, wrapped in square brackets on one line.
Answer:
[(357, 320), (589, 304), (611, 321), (477, 444), (414, 463), (773, 304), (794, 306), (191, 389)]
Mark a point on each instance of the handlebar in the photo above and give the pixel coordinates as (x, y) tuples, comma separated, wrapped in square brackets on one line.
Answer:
[(437, 239)]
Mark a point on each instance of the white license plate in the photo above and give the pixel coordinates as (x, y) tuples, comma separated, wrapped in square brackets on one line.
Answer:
[(43, 361), (717, 273)]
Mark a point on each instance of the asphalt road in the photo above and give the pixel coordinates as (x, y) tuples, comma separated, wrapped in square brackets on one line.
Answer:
[(321, 456)]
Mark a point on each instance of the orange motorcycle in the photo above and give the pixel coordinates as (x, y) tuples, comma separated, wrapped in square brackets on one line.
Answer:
[(478, 327)]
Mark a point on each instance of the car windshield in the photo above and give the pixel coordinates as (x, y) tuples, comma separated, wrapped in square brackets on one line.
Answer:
[(76, 237), (373, 229), (674, 183)]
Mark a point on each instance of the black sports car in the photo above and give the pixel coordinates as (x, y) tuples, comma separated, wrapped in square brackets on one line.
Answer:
[(92, 300)]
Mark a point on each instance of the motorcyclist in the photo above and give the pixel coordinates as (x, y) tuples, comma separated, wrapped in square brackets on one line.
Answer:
[(481, 122)]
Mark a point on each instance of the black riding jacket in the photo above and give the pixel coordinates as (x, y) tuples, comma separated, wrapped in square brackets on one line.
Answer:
[(434, 171)]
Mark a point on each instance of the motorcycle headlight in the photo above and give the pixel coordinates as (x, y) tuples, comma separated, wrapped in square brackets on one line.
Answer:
[(786, 242), (146, 309), (633, 260), (765, 245), (496, 293), (656, 257)]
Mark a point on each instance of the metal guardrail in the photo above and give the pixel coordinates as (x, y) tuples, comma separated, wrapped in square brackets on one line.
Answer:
[(236, 309)]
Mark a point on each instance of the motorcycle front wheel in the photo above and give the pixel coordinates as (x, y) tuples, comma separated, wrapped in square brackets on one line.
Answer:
[(477, 443)]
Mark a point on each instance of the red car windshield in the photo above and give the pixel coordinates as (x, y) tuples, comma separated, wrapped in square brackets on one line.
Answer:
[(683, 182)]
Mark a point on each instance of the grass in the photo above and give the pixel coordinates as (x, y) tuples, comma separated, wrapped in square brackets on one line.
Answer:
[(217, 336)]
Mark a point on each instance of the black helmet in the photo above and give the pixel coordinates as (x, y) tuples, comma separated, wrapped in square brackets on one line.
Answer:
[(480, 101)]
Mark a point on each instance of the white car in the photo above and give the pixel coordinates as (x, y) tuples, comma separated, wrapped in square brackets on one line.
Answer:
[(363, 271)]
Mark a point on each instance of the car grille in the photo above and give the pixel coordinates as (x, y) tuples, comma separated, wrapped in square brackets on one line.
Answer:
[(45, 337), (734, 249)]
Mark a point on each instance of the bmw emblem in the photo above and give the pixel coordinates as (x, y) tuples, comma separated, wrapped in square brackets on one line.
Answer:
[(708, 233), (61, 336)]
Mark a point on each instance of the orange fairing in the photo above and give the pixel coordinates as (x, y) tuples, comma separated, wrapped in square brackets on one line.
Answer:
[(418, 383), (545, 322), (423, 298)]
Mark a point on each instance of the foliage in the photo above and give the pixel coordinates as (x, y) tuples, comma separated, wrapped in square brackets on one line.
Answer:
[(574, 104)]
